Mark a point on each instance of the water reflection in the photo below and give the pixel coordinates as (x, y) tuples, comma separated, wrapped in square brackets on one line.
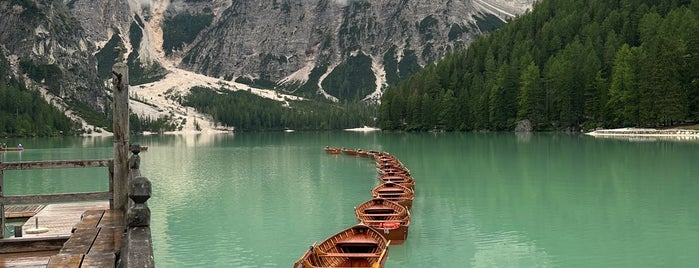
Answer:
[(482, 199)]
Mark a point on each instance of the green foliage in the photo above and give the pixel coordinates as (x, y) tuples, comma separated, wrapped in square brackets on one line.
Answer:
[(567, 65), (258, 83), (248, 112), (351, 80), (106, 57), (48, 74), (182, 29), (390, 63), (426, 26), (140, 125), (24, 112), (309, 89), (141, 72), (91, 116), (455, 32), (489, 23), (408, 65)]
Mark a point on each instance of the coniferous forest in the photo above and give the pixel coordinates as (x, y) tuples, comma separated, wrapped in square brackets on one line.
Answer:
[(249, 112), (24, 112), (567, 65)]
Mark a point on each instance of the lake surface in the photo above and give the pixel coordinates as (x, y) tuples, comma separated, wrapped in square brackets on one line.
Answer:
[(482, 200)]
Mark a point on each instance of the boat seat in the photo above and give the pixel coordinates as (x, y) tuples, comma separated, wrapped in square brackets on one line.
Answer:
[(381, 215), (351, 255)]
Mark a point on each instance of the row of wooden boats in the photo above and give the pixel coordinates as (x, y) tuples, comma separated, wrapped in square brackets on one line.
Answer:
[(383, 220)]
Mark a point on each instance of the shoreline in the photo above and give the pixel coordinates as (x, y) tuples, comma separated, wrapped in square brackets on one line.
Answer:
[(644, 132)]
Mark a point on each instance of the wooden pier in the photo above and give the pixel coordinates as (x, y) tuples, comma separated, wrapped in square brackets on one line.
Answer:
[(65, 230), (13, 212), (59, 219)]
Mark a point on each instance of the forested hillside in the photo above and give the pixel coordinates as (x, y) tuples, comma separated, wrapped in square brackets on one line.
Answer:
[(567, 65), (24, 113), (248, 112)]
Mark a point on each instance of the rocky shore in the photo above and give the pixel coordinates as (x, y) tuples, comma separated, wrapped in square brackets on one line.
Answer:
[(643, 132)]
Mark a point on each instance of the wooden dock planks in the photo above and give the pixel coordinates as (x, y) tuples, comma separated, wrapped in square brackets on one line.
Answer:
[(81, 241), (95, 241), (13, 212), (61, 219), (108, 240), (65, 260)]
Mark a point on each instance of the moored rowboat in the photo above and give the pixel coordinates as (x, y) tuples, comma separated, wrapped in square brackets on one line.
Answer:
[(357, 246), (11, 149), (401, 179), (394, 192), (393, 171), (348, 151), (331, 150), (388, 217)]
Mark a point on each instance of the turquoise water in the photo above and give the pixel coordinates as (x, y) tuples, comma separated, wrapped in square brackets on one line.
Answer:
[(482, 200)]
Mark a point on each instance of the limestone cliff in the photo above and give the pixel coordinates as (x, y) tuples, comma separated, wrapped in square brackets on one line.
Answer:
[(297, 43), (343, 49)]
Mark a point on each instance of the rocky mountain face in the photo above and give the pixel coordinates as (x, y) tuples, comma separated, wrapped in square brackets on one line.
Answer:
[(344, 49), (44, 41), (326, 45)]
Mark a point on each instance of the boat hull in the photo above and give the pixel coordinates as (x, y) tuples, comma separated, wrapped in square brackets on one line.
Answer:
[(357, 246)]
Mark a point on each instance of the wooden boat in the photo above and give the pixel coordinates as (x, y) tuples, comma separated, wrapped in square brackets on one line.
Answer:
[(348, 151), (388, 217), (385, 158), (390, 164), (11, 149), (362, 153), (401, 179), (331, 150), (393, 171), (394, 192), (373, 154), (357, 246)]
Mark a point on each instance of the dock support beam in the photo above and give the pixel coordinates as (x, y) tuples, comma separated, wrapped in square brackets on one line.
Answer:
[(120, 91)]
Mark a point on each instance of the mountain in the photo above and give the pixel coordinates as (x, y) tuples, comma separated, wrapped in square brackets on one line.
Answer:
[(343, 50), (566, 65)]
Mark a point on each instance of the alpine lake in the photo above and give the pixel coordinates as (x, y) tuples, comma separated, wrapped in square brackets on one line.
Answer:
[(482, 199)]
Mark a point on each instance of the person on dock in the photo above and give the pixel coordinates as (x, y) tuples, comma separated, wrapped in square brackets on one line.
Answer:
[(20, 146)]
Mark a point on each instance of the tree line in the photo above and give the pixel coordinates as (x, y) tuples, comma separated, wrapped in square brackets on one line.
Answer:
[(249, 112), (24, 112), (566, 65)]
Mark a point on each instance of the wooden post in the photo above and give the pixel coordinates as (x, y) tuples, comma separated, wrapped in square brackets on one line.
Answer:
[(121, 132), (2, 205)]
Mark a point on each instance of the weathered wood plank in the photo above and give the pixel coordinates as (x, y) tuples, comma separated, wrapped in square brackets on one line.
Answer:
[(139, 247), (108, 240), (19, 245), (56, 164), (27, 259), (12, 212), (99, 260), (65, 261), (54, 198), (90, 219), (120, 130), (60, 219), (80, 242), (112, 218)]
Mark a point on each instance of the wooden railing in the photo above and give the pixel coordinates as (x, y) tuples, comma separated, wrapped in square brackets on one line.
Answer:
[(137, 248), (128, 189), (53, 198)]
